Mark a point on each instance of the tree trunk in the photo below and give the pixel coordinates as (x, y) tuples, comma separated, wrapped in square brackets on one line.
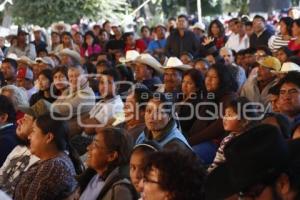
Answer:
[(7, 18)]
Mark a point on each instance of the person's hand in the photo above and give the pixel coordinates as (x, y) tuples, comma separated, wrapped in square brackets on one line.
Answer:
[(207, 40)]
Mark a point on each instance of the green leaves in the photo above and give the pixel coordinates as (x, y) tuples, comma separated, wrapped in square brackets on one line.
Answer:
[(45, 12)]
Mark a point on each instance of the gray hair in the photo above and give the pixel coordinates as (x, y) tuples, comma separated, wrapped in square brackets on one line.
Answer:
[(19, 95)]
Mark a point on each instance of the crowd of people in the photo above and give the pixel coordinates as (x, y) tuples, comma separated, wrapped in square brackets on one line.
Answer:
[(183, 112)]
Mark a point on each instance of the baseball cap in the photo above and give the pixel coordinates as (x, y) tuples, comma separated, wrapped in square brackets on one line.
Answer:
[(25, 73)]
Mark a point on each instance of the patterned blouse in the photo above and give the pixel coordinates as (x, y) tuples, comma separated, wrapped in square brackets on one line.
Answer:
[(47, 180)]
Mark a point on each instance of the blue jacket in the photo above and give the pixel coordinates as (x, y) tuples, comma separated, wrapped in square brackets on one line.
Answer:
[(170, 139), (8, 141)]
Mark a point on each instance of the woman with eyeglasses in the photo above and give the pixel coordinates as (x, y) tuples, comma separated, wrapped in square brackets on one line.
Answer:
[(105, 178), (173, 176)]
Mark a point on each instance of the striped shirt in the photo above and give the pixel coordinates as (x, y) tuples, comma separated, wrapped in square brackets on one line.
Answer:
[(277, 41)]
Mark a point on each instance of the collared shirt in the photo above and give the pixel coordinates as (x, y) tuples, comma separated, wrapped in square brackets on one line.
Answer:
[(236, 43), (105, 110), (93, 189)]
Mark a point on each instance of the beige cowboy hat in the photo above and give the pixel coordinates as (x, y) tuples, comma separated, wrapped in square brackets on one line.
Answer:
[(175, 63), (130, 56), (25, 60), (60, 27), (73, 54), (150, 61)]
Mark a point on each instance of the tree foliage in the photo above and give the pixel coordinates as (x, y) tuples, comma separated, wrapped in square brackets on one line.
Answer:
[(45, 12)]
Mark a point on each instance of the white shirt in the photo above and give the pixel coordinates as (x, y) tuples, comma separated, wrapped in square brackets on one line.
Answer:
[(105, 110), (236, 44)]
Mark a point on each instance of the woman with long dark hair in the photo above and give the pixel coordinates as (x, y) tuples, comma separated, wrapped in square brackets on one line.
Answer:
[(193, 90), (207, 131), (90, 45), (216, 30), (294, 45), (53, 177)]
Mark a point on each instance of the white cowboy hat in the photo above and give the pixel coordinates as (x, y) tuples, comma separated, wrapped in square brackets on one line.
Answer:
[(70, 53), (36, 28), (289, 66), (199, 25), (12, 56), (175, 63), (150, 61), (26, 60), (60, 27), (131, 55)]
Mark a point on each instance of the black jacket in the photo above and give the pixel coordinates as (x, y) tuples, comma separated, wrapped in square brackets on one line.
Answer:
[(177, 44)]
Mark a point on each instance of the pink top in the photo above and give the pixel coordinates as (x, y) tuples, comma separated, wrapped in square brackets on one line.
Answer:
[(90, 50), (295, 47)]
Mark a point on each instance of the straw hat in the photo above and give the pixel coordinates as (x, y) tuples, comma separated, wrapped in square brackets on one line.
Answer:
[(175, 63), (150, 61), (73, 54), (131, 55)]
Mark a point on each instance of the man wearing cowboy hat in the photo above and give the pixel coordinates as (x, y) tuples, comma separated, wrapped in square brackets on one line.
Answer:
[(69, 57), (38, 42), (173, 72), (22, 48), (256, 88), (147, 71)]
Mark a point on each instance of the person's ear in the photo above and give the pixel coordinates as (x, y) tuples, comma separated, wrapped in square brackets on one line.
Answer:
[(113, 156), (49, 138), (283, 185), (3, 118)]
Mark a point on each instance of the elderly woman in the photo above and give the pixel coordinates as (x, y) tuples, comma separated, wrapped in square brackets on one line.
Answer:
[(70, 103), (18, 96), (53, 177), (105, 179)]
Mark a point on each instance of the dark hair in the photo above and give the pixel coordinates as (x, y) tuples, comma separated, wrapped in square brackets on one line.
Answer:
[(147, 147), (102, 31), (105, 63), (286, 50), (12, 62), (250, 50), (67, 34), (172, 19), (197, 78), (274, 89), (115, 140), (265, 49), (245, 109), (294, 59), (95, 39), (259, 17), (113, 73), (248, 23), (188, 54), (61, 69), (174, 167), (90, 68), (227, 82), (145, 27), (48, 74), (60, 130), (288, 22), (220, 26), (7, 107), (125, 72), (234, 20), (106, 22), (291, 77), (297, 22), (183, 16), (126, 35), (142, 96), (42, 50), (284, 123), (204, 60)]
